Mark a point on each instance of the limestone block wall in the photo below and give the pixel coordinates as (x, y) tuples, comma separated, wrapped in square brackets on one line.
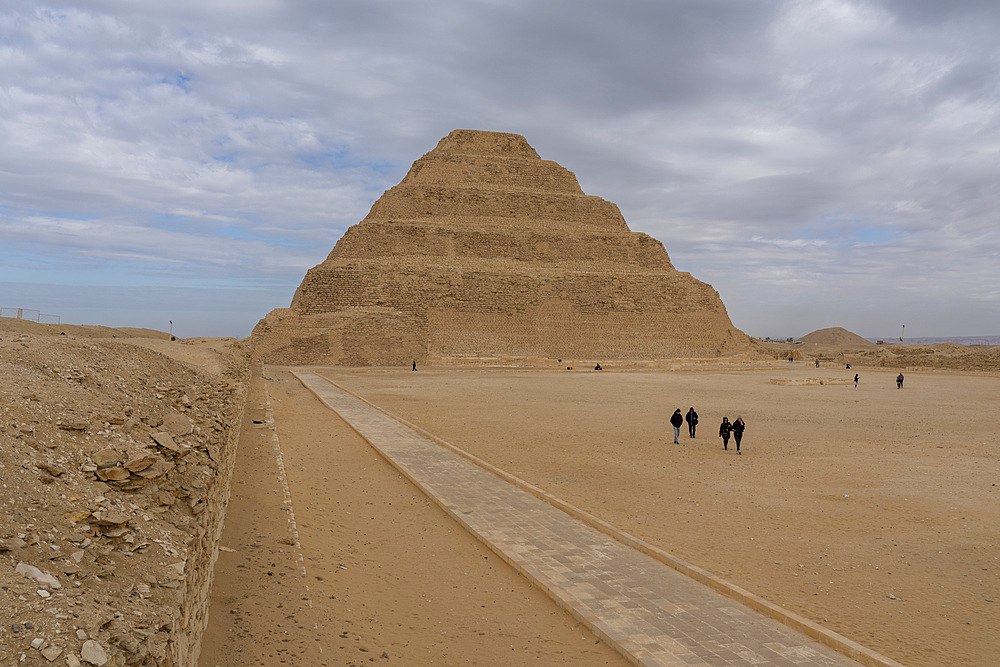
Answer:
[(354, 337), (194, 595), (492, 172), (490, 144), (433, 311), (402, 241), (498, 208)]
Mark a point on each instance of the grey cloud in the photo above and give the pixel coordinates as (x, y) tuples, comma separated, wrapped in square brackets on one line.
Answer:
[(739, 133), (932, 13)]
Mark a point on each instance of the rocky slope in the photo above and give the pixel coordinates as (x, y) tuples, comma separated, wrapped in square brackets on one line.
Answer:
[(114, 472)]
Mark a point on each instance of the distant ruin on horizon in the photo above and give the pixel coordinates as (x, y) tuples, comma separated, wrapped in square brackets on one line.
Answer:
[(485, 253)]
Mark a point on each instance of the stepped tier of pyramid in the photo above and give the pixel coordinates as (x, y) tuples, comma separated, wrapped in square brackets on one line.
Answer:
[(487, 253)]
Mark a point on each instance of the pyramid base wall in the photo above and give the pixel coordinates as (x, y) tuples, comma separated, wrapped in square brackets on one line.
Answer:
[(395, 338)]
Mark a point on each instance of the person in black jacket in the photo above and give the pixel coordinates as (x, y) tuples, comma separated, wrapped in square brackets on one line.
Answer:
[(738, 427), (724, 430), (692, 419), (676, 420)]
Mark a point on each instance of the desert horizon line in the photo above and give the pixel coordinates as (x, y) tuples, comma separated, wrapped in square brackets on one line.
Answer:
[(888, 340)]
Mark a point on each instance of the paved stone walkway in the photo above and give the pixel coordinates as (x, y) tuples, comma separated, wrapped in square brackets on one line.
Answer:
[(650, 612)]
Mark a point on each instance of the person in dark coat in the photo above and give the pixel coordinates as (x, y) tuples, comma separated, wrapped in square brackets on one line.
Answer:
[(725, 428), (414, 364), (676, 420), (899, 381), (692, 419), (856, 378), (738, 427)]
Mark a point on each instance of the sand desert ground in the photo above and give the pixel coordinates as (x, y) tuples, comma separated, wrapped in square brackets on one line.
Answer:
[(872, 512)]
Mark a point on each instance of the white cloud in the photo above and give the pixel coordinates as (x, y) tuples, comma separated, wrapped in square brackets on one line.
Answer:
[(839, 156)]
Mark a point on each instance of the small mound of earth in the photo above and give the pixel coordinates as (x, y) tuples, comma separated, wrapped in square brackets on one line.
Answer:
[(12, 325), (836, 336)]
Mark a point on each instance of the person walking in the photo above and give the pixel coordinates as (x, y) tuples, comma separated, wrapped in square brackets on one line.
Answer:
[(676, 420), (738, 428), (414, 364), (856, 378), (725, 428), (899, 381), (692, 419)]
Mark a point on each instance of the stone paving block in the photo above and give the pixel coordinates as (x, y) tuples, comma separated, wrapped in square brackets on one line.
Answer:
[(649, 611)]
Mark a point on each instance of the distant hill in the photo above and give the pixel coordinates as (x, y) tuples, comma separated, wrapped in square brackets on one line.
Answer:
[(836, 336), (931, 340)]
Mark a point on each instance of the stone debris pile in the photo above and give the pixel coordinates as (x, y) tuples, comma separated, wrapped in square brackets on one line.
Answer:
[(110, 456)]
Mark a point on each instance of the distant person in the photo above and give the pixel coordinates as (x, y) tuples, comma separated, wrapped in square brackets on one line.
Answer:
[(598, 368), (725, 428), (899, 381), (817, 363), (848, 367), (738, 427), (790, 359), (692, 419), (676, 420), (856, 378), (414, 364)]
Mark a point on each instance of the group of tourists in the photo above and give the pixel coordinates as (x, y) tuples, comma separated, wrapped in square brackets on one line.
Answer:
[(899, 380), (726, 428)]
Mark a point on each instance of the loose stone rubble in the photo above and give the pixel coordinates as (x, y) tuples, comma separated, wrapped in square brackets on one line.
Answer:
[(114, 473)]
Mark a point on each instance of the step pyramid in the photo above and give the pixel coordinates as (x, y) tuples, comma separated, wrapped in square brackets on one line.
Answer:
[(486, 253)]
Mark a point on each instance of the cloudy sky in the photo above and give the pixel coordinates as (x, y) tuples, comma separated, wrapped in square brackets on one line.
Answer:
[(823, 163)]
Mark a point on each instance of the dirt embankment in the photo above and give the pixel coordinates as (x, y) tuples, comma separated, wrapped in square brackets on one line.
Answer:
[(939, 356), (14, 325), (114, 463)]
